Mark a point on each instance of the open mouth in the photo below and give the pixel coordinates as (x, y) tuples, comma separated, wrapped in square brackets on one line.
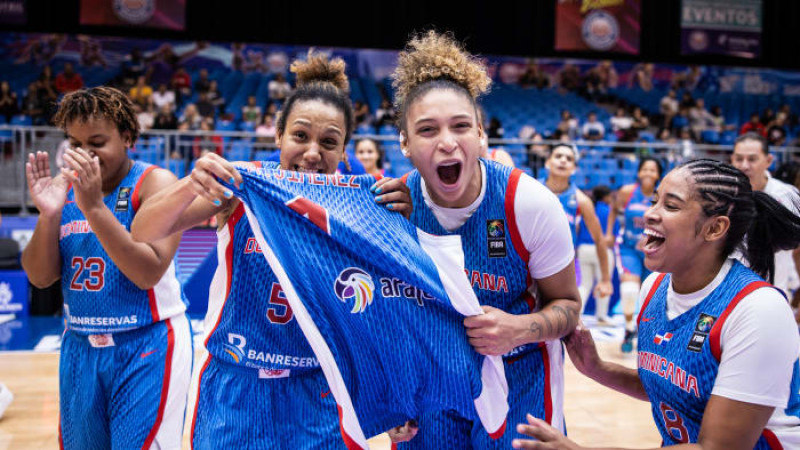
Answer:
[(653, 240), (449, 172), (298, 168)]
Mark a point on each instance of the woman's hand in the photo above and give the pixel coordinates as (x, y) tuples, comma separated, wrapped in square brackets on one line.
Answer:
[(83, 171), (206, 173), (582, 351), (548, 437), (403, 433), (393, 193), (47, 192), (495, 332)]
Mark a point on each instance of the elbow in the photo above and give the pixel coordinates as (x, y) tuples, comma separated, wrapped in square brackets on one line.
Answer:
[(146, 282)]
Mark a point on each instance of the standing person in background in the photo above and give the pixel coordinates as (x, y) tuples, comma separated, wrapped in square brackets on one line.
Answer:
[(529, 247), (588, 256), (68, 80), (126, 354), (631, 203), (751, 156), (561, 165)]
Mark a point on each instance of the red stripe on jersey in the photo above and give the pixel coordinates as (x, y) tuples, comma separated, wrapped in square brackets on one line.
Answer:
[(633, 191), (165, 387), (650, 294), (60, 435), (197, 399), (771, 439), (151, 295), (348, 441), (231, 224), (548, 396), (500, 431), (135, 195), (257, 164), (513, 230), (716, 329)]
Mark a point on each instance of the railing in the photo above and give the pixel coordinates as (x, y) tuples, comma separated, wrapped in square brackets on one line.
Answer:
[(177, 152)]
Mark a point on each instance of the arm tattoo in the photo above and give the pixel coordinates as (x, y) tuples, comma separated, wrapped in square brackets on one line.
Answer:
[(565, 319), (536, 329)]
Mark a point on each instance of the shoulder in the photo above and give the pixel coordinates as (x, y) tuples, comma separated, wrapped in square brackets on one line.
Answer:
[(764, 308), (584, 201), (532, 197), (154, 179), (648, 284)]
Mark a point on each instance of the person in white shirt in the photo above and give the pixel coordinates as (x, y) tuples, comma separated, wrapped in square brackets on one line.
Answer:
[(163, 96), (718, 347), (751, 156), (593, 130)]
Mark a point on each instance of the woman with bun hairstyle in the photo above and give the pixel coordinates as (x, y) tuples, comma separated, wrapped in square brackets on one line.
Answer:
[(260, 385), (718, 346), (516, 240)]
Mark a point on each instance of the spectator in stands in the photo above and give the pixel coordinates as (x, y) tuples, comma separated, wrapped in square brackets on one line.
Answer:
[(568, 126), (207, 142), (163, 96), (754, 125), (165, 119), (687, 101), (141, 92), (767, 117), (385, 114), (569, 78), (600, 79), (91, 53), (68, 80), (266, 131), (278, 89), (687, 80), (593, 130), (145, 116), (621, 125), (203, 84), (33, 104), (681, 120), (642, 76), (776, 130), (668, 107), (791, 118), (182, 84), (205, 107), (9, 106), (191, 118), (640, 121), (495, 130), (361, 113), (370, 155), (718, 120), (534, 77), (700, 118), (251, 112), (133, 67), (687, 143), (215, 97)]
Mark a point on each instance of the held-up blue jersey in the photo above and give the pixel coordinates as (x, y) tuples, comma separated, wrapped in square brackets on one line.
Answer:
[(249, 319), (98, 297), (678, 359), (637, 204), (569, 201), (373, 304)]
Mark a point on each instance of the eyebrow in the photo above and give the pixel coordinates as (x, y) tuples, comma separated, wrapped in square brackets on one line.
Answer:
[(90, 137), (675, 196), (457, 116)]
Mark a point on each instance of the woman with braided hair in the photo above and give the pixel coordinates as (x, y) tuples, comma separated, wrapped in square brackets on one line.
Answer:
[(718, 346), (515, 236)]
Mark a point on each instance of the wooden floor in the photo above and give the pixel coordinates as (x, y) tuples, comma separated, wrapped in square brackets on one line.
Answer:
[(595, 415)]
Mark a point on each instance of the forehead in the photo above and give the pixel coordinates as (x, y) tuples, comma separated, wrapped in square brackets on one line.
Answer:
[(649, 165), (316, 112), (678, 182), (562, 151), (91, 126), (438, 103), (748, 148), (366, 145)]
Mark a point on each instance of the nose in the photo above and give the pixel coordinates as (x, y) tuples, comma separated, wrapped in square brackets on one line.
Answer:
[(651, 215), (312, 153), (448, 142)]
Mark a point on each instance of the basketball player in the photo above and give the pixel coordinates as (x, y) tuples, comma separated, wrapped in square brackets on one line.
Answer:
[(126, 354), (515, 237), (561, 165), (718, 345), (260, 382), (632, 201)]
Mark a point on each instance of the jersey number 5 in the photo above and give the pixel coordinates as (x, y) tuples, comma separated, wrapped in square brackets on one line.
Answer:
[(311, 211), (673, 423), (281, 312), (95, 269)]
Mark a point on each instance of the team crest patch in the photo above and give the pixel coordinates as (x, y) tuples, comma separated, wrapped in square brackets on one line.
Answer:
[(123, 199), (354, 283), (496, 238), (701, 330), (134, 11)]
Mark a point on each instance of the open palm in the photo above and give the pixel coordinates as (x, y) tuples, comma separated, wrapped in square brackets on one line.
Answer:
[(48, 192)]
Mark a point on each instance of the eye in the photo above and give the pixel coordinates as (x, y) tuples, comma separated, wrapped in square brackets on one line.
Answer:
[(300, 135), (425, 130)]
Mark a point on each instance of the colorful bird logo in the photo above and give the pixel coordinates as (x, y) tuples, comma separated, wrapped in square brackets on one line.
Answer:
[(495, 228), (357, 284), (704, 323)]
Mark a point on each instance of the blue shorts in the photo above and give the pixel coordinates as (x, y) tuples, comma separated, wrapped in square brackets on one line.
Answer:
[(125, 390), (535, 386), (631, 261), (237, 409)]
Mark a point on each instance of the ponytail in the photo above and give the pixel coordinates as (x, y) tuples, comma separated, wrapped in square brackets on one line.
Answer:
[(773, 228)]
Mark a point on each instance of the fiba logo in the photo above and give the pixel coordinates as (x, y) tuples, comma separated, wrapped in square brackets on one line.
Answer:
[(134, 11), (354, 283), (600, 30), (5, 294), (235, 346), (698, 41)]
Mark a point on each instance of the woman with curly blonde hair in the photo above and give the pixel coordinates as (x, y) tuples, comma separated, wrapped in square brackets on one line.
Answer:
[(516, 240)]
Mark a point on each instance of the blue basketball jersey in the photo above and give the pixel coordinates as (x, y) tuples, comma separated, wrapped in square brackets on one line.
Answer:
[(249, 319), (372, 303), (602, 210), (637, 204), (569, 201), (98, 297), (678, 359)]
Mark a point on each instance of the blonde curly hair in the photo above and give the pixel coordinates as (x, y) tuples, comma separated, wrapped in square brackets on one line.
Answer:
[(317, 68), (433, 56)]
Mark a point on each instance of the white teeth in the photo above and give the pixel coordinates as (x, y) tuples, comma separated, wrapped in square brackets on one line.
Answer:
[(448, 164), (305, 170), (655, 234)]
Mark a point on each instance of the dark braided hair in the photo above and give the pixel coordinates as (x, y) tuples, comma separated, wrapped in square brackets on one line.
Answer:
[(99, 102), (756, 219)]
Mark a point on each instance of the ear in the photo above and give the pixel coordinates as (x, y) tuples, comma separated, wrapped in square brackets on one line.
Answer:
[(126, 138), (278, 137), (770, 158), (403, 144), (717, 228)]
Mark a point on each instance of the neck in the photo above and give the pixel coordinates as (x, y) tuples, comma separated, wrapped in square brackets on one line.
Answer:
[(698, 275), (760, 182), (556, 184), (114, 181), (646, 190)]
